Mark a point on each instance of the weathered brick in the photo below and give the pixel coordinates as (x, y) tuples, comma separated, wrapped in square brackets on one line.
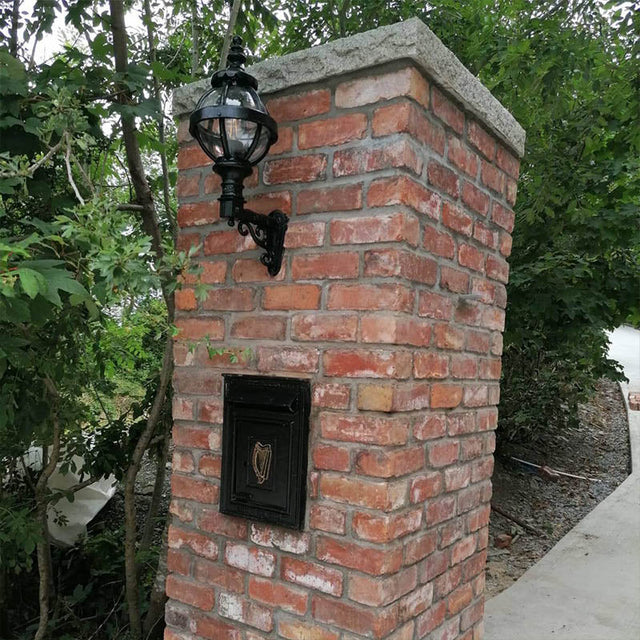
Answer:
[(248, 270), (443, 178), (399, 190), (396, 155), (434, 305), (481, 140), (331, 395), (470, 257), (459, 155), (331, 457), (304, 234), (251, 559), (234, 607), (197, 490), (329, 519), (508, 162), (380, 495), (278, 595), (492, 177), (388, 527), (325, 266), (397, 262), (439, 243), (503, 217), (357, 363), (378, 592), (299, 106), (447, 111), (298, 629), (312, 575), (404, 82), (392, 227), (389, 464), (332, 131), (370, 560), (197, 213), (430, 365), (198, 328), (288, 297), (288, 359), (389, 329), (366, 297), (196, 595), (376, 623), (298, 169), (259, 327), (331, 327), (364, 429), (329, 199)]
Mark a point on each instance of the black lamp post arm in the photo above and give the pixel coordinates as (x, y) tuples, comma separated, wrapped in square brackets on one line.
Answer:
[(268, 232)]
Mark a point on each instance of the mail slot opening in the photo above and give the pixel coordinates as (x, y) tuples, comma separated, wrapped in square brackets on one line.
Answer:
[(265, 437)]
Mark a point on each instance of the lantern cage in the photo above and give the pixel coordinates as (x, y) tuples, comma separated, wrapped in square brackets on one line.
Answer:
[(233, 127)]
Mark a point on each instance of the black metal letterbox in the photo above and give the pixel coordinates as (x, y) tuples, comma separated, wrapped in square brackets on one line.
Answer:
[(265, 437)]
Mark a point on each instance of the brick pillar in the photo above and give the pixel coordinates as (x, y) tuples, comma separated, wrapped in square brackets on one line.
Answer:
[(398, 170)]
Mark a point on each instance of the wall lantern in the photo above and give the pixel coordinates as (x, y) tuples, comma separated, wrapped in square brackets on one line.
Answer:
[(235, 130)]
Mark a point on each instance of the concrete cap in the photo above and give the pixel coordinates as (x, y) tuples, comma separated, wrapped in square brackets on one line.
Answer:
[(411, 40)]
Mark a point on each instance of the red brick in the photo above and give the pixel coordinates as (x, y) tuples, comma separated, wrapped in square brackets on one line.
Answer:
[(431, 619), (220, 242), (418, 548), (468, 312), (278, 595), (213, 182), (197, 328), (490, 369), (288, 297), (186, 300), (475, 199), (197, 490), (378, 592), (183, 134), (511, 191), (430, 365), (298, 629), (457, 478), (503, 217), (213, 521), (235, 299), (370, 297), (299, 106), (288, 359), (391, 227), (395, 330), (461, 157), (447, 582), (183, 462), (284, 142), (188, 242), (496, 344), (210, 465), (264, 203), (396, 155), (492, 177), (328, 519), (454, 280), (331, 395), (484, 235), (201, 545), (330, 457), (443, 178), (364, 621), (443, 452), (197, 213), (476, 395), (364, 429), (322, 266), (437, 562), (298, 169), (444, 109), (210, 412), (508, 162), (448, 337), (403, 190), (208, 273), (506, 242), (477, 341), (404, 82), (439, 243), (472, 615), (305, 234), (350, 555), (440, 510), (259, 327), (332, 131), (287, 541), (190, 593), (404, 117), (395, 262), (178, 562), (481, 140), (236, 608), (454, 218), (192, 157), (196, 438), (328, 199), (445, 396), (312, 326), (219, 575), (434, 305), (424, 486), (386, 528), (460, 423), (256, 561), (312, 576), (187, 185), (497, 269), (252, 270), (389, 464), (470, 257), (463, 549), (179, 510), (367, 364), (379, 495), (432, 425), (213, 628)]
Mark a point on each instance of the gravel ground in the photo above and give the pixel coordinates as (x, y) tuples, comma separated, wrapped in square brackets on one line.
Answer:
[(598, 449)]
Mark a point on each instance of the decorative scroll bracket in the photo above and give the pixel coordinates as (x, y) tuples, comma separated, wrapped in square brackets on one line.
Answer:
[(267, 231)]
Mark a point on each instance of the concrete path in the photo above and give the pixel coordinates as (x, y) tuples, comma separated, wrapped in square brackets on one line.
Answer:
[(588, 586)]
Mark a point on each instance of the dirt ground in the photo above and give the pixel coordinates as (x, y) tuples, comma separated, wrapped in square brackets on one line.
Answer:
[(597, 449)]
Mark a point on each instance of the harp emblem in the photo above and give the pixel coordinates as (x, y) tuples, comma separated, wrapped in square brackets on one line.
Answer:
[(261, 461)]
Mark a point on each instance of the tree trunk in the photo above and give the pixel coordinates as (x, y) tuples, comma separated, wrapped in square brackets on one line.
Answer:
[(152, 622), (195, 39), (233, 18), (43, 551), (15, 26)]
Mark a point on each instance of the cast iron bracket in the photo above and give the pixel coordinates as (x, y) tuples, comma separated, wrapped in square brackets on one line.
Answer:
[(267, 231)]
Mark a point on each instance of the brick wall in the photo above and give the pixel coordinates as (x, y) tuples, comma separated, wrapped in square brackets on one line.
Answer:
[(391, 301)]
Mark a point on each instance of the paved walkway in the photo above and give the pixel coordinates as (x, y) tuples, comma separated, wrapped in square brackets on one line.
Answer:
[(588, 586)]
